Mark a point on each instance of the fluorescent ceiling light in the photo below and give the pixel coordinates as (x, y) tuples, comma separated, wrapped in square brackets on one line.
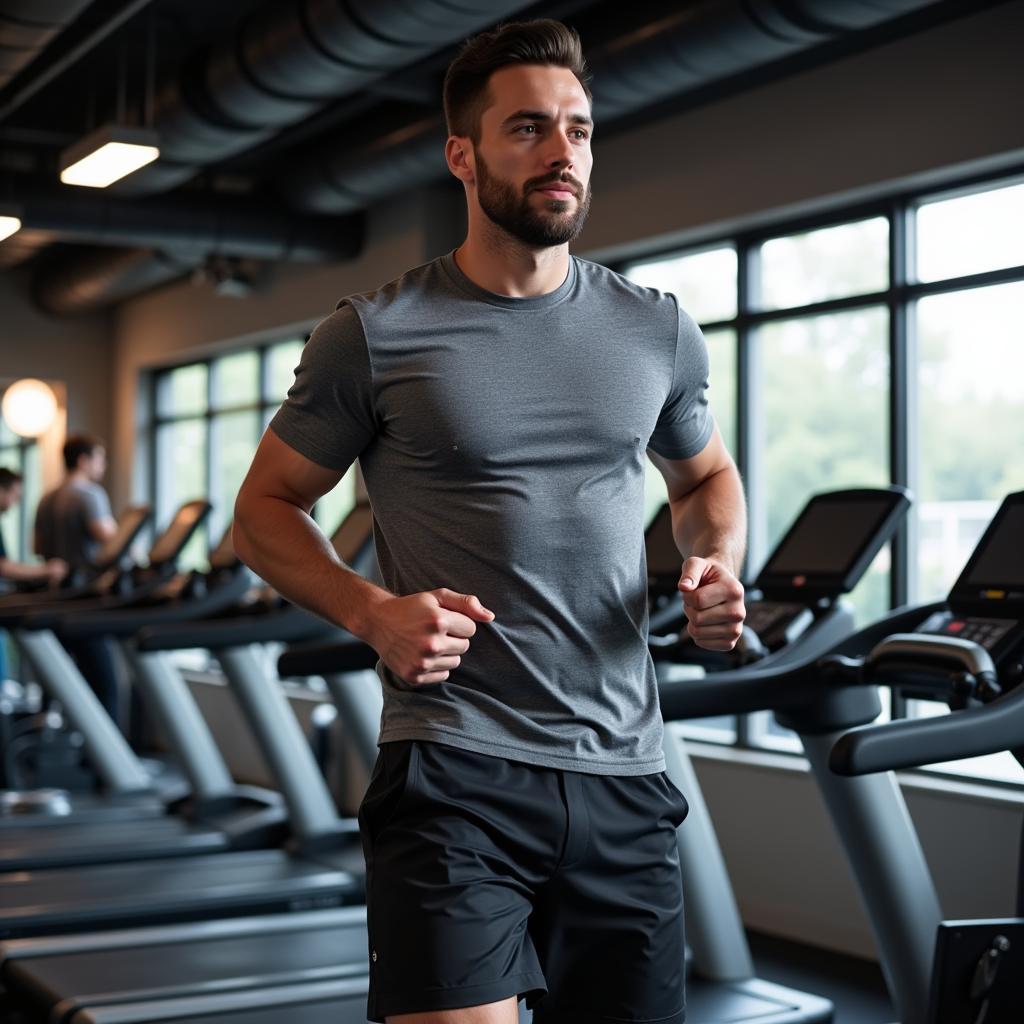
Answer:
[(107, 155), (8, 225)]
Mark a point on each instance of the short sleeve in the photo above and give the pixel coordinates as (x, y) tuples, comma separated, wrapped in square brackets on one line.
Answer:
[(329, 414), (95, 505), (685, 424)]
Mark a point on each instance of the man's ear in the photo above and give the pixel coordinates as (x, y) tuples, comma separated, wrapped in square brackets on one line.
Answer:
[(458, 151)]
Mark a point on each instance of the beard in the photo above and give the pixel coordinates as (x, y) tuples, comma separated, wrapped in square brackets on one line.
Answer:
[(511, 209)]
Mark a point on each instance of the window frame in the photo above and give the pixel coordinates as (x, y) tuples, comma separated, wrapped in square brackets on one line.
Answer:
[(263, 407), (899, 208)]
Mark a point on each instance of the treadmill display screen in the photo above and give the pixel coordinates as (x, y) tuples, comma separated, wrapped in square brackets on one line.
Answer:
[(828, 538), (169, 544), (1000, 563), (128, 526)]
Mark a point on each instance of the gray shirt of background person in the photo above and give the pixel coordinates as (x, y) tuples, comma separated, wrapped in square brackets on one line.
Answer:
[(63, 518), (503, 443)]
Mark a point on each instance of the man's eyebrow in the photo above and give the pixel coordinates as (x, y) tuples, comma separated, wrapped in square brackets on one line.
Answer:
[(540, 115)]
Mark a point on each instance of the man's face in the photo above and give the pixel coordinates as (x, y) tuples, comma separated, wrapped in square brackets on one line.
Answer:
[(95, 465), (533, 160), (9, 496)]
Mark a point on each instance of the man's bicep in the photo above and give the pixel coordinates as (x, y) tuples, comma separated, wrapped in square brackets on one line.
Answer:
[(102, 528), (683, 475), (279, 471)]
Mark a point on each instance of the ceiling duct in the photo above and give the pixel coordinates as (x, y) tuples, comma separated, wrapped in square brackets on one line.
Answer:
[(102, 277), (704, 43), (289, 60), (701, 44), (212, 226), (27, 27)]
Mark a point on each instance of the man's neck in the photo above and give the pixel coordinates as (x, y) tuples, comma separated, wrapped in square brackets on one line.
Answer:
[(501, 264), (78, 476)]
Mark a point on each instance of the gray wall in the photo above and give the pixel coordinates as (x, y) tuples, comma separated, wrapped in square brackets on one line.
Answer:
[(74, 356)]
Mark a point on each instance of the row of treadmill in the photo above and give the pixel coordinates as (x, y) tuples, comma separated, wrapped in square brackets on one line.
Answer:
[(181, 896)]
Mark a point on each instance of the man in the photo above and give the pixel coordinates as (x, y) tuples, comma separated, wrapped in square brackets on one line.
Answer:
[(519, 829), (51, 571), (74, 519), (72, 523)]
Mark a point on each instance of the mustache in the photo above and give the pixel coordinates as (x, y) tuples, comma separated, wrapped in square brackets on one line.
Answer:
[(556, 179)]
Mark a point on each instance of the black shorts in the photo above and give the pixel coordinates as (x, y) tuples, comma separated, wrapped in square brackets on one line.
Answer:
[(489, 878)]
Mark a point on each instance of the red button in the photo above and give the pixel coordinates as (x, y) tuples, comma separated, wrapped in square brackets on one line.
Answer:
[(955, 627)]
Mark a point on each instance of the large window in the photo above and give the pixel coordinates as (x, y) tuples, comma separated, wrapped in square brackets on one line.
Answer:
[(208, 419), (883, 344)]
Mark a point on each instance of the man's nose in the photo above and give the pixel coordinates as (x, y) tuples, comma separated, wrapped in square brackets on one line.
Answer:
[(561, 153)]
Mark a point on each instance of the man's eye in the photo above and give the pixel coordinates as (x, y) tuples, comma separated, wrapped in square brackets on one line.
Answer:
[(531, 128), (580, 134)]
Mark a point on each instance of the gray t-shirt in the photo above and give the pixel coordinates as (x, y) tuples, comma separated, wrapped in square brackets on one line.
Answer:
[(503, 445), (63, 518)]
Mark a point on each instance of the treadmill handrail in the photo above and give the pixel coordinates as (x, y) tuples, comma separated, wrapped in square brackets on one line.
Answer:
[(783, 680), (128, 620), (913, 742), (928, 654), (346, 655), (283, 625)]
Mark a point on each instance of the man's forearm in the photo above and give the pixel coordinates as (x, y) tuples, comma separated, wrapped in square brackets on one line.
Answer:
[(711, 520), (19, 572), (283, 545)]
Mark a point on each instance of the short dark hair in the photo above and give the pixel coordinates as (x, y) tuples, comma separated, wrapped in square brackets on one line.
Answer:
[(8, 478), (544, 41), (78, 445)]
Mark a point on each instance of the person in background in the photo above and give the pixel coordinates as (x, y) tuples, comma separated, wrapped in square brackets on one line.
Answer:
[(51, 571), (74, 519), (72, 523)]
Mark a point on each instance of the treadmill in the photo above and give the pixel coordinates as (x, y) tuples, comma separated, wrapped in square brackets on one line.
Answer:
[(238, 971), (20, 713), (322, 866), (128, 787), (795, 608), (967, 650), (216, 814), (85, 584)]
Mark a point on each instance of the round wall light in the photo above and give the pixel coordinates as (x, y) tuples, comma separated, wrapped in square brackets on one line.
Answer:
[(29, 407)]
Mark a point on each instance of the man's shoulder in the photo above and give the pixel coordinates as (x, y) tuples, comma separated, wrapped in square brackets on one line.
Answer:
[(412, 285), (602, 279), (356, 312), (625, 298)]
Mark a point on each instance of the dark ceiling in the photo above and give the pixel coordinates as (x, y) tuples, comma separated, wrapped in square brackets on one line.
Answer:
[(246, 91)]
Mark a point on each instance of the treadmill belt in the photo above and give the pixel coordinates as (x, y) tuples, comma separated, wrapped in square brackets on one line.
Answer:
[(126, 974), (341, 1002), (156, 891), (57, 845)]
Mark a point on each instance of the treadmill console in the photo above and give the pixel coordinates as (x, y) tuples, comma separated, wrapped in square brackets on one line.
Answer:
[(823, 555), (169, 544), (986, 604), (132, 520), (831, 544), (778, 623)]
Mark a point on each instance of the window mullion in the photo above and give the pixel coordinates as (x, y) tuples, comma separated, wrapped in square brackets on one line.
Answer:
[(902, 416)]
